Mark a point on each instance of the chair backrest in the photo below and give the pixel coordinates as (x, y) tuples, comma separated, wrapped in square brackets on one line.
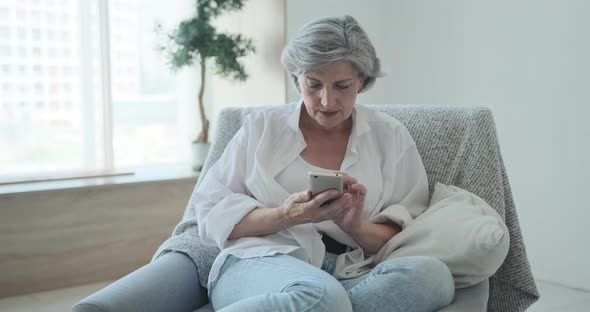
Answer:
[(458, 146)]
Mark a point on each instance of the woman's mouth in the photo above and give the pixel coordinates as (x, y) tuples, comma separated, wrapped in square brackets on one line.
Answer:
[(328, 114)]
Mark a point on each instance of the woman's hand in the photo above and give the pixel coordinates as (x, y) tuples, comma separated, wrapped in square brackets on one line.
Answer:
[(299, 208), (350, 219), (302, 208)]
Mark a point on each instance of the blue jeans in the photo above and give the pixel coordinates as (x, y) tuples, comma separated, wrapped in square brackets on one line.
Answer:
[(285, 283)]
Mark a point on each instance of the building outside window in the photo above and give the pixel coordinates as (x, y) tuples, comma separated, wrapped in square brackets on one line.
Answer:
[(84, 89), (52, 88)]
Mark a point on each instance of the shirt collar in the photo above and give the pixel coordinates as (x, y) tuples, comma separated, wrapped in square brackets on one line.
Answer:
[(293, 121)]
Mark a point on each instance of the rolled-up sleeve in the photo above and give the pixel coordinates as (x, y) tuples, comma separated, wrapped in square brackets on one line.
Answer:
[(222, 196), (409, 193)]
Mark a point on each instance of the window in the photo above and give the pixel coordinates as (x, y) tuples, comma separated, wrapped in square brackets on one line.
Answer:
[(144, 101), (83, 87), (4, 33), (5, 13), (36, 34), (53, 88), (6, 69), (5, 50), (22, 33)]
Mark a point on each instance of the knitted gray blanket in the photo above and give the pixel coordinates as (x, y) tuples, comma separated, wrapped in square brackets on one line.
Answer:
[(458, 146)]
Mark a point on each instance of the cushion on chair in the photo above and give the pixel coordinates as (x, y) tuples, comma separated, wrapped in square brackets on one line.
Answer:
[(461, 230)]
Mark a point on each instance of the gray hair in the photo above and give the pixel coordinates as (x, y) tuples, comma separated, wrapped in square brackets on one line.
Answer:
[(330, 39)]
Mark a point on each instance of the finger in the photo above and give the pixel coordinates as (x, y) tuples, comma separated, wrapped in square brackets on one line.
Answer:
[(348, 180), (324, 196), (343, 201), (301, 197), (359, 188), (338, 207)]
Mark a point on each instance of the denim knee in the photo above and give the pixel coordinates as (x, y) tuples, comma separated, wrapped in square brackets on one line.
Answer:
[(431, 280), (320, 295)]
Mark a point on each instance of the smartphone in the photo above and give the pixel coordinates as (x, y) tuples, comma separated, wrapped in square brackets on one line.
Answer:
[(319, 182)]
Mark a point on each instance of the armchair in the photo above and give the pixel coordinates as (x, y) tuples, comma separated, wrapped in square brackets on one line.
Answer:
[(458, 146)]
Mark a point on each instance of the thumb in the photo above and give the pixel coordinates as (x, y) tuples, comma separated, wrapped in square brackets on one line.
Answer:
[(302, 197)]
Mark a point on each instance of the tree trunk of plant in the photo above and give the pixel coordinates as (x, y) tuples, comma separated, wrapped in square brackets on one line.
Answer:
[(204, 135)]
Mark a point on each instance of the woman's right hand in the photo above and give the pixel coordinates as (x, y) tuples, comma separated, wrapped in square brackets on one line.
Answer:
[(301, 208)]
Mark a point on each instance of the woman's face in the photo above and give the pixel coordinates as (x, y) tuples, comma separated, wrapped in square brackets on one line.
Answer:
[(329, 93)]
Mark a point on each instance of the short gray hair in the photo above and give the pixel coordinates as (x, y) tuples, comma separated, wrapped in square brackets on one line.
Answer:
[(330, 39)]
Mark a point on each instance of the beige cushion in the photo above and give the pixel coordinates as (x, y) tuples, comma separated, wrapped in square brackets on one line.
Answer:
[(460, 229)]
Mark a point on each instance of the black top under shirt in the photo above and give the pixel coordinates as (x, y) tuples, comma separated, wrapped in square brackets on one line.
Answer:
[(332, 245)]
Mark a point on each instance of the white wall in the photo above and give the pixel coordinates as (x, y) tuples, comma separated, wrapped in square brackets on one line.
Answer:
[(529, 61)]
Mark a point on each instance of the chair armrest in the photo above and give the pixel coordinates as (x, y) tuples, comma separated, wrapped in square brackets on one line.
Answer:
[(169, 283), (470, 299)]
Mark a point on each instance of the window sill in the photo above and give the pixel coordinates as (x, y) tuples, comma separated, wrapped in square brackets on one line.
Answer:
[(139, 175)]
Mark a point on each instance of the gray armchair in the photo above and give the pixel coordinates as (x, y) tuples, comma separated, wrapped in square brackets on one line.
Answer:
[(458, 146)]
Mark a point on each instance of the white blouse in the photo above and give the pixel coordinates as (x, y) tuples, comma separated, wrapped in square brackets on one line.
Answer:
[(253, 170)]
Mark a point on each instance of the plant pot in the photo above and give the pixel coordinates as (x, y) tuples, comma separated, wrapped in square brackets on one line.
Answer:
[(200, 152)]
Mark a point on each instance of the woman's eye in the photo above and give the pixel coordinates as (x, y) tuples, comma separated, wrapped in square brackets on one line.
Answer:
[(343, 87), (314, 86)]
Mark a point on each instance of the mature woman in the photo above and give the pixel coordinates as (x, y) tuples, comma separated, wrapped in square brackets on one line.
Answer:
[(281, 249)]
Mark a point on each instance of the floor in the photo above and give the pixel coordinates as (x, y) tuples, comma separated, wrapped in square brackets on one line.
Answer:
[(554, 297), (60, 300)]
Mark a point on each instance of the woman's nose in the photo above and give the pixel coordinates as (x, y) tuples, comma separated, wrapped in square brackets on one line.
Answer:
[(327, 98)]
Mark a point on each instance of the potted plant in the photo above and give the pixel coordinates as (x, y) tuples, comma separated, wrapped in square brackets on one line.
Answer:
[(196, 40)]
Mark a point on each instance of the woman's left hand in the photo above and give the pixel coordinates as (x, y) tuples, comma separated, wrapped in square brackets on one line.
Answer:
[(350, 220)]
